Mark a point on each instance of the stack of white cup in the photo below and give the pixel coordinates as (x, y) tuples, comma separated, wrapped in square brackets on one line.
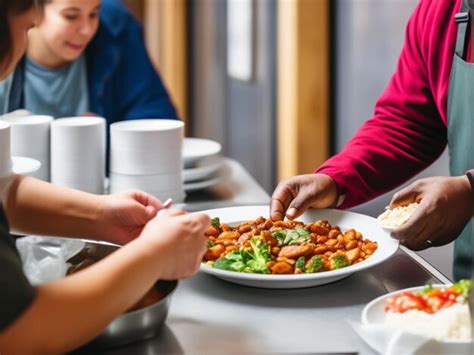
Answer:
[(78, 153), (30, 137), (146, 155)]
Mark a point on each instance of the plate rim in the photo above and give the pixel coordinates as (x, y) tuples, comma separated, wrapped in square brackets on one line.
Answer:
[(366, 264), (217, 147)]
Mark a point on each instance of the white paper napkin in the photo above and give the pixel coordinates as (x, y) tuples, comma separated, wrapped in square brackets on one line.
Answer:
[(394, 342)]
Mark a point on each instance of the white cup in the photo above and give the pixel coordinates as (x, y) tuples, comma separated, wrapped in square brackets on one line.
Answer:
[(146, 147), (5, 150), (30, 137), (78, 153)]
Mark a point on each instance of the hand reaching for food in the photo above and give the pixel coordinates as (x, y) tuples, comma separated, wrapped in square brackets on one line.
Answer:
[(293, 196)]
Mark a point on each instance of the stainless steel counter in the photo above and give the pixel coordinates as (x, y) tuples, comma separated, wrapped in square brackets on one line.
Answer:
[(208, 315)]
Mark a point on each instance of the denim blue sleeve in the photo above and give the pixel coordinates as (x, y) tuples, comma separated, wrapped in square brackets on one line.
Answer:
[(142, 90)]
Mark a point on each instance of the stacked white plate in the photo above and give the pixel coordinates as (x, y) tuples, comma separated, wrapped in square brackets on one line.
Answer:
[(147, 155), (30, 137), (202, 164), (78, 153)]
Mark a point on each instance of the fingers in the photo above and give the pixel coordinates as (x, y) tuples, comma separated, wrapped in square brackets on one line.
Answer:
[(417, 233), (145, 199), (280, 201), (405, 196), (298, 206)]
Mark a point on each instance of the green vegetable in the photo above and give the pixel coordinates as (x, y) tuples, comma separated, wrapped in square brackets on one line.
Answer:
[(292, 236), (210, 244), (215, 222), (260, 256), (428, 288), (254, 261), (232, 262), (463, 287), (279, 235), (339, 261), (316, 265), (300, 263)]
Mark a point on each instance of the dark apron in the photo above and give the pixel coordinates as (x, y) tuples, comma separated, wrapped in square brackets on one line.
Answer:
[(461, 133)]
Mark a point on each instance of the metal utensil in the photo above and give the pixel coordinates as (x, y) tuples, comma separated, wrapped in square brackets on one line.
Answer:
[(167, 204)]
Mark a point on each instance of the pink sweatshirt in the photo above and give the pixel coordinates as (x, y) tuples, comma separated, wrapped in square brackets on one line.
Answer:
[(408, 131)]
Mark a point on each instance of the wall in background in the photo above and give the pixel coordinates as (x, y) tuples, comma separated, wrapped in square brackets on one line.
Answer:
[(240, 114), (369, 35)]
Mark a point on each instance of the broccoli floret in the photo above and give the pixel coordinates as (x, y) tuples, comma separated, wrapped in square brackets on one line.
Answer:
[(339, 261), (259, 256), (215, 222), (279, 235), (210, 244), (300, 263), (315, 264)]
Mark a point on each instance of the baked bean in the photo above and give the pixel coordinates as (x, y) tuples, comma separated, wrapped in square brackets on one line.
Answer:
[(351, 245), (322, 239), (282, 267), (245, 228), (214, 252)]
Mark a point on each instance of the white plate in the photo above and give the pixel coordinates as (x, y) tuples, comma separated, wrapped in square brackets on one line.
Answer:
[(368, 226), (204, 169), (201, 185), (195, 149), (24, 165), (373, 313)]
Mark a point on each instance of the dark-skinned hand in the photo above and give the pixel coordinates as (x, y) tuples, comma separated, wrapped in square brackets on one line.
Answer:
[(446, 206), (293, 196)]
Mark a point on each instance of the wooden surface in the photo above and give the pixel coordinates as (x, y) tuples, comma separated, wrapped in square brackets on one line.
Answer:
[(303, 86), (166, 37)]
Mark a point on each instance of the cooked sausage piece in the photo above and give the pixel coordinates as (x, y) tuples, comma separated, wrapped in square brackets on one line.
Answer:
[(295, 251)]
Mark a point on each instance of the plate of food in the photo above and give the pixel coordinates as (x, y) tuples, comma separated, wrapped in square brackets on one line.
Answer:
[(437, 312), (320, 247)]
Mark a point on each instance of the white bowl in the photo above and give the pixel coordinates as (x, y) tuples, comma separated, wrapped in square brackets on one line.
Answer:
[(373, 313), (146, 147)]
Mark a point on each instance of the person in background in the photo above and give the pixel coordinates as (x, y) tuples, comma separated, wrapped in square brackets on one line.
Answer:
[(87, 56), (427, 104), (44, 319)]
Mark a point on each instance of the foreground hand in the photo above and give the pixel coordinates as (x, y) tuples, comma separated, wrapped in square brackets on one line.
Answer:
[(293, 196), (179, 242), (445, 208), (123, 216)]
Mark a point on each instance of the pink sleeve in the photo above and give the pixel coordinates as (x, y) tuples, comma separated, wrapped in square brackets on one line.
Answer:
[(405, 135)]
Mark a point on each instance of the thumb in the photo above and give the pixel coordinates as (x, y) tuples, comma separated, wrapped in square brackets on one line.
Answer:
[(151, 212), (300, 204), (405, 196)]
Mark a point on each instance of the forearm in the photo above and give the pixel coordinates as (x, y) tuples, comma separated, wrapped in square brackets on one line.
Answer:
[(70, 312), (36, 207)]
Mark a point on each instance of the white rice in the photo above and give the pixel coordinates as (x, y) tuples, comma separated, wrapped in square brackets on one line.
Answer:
[(393, 218), (448, 324)]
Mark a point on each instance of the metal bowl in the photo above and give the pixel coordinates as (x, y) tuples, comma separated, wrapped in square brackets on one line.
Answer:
[(134, 325)]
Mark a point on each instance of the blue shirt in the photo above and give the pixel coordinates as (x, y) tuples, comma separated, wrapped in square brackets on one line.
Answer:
[(59, 92), (122, 82)]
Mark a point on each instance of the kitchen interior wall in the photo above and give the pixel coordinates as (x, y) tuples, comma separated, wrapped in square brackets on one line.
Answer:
[(240, 114), (368, 37)]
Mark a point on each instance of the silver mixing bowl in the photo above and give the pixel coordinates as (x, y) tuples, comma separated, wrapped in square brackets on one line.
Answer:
[(135, 325)]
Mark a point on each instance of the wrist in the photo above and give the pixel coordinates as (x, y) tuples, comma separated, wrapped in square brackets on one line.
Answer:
[(335, 194)]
